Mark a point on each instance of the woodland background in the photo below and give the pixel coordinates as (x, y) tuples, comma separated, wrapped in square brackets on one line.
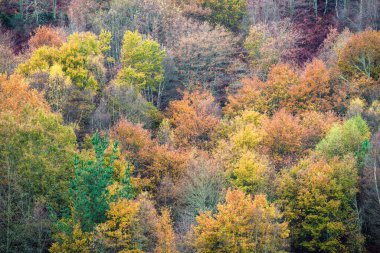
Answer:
[(189, 126)]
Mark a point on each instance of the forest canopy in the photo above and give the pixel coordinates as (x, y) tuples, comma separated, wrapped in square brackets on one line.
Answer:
[(166, 126)]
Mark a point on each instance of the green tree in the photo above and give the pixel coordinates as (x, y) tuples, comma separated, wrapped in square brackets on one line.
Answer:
[(142, 64), (252, 173), (352, 137), (90, 188), (35, 165), (81, 59), (100, 178), (318, 198), (70, 75), (226, 12)]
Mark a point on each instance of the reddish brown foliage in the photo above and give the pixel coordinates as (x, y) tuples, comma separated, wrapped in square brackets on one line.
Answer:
[(46, 36), (313, 28), (152, 161), (313, 92), (288, 137)]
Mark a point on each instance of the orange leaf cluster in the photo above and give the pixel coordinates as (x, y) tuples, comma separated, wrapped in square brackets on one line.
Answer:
[(16, 95), (151, 160), (194, 119), (285, 89), (46, 36), (288, 137)]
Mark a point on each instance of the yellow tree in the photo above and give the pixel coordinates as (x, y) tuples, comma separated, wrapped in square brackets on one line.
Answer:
[(16, 94), (239, 151), (165, 234), (241, 225), (135, 226), (78, 241), (358, 64), (252, 173), (280, 79), (317, 197), (120, 233)]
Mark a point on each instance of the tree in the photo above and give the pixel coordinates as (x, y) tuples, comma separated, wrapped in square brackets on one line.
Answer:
[(100, 180), (81, 58), (318, 198), (90, 188), (120, 102), (227, 12), (46, 36), (314, 90), (241, 225), (142, 64), (358, 65), (332, 46), (270, 43), (284, 138), (200, 189), (252, 174), (206, 56), (245, 98), (135, 226), (75, 241), (194, 118), (266, 143), (290, 137), (71, 75), (8, 59), (35, 165), (165, 234), (155, 19), (120, 233), (280, 79), (57, 89), (370, 113), (349, 138), (369, 197), (16, 94), (83, 13), (360, 56), (151, 161), (239, 152), (23, 16), (265, 97)]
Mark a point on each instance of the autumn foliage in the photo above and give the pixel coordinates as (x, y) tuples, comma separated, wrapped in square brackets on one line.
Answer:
[(46, 36), (166, 126), (194, 118), (16, 94), (241, 224), (151, 160)]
